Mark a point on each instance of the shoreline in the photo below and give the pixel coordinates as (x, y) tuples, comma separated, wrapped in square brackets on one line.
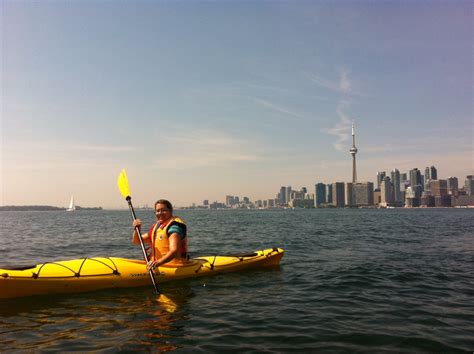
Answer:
[(26, 208)]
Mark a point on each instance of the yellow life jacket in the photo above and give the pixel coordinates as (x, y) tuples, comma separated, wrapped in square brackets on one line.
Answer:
[(160, 244)]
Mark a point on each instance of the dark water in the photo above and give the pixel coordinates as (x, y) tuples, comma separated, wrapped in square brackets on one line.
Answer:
[(384, 281)]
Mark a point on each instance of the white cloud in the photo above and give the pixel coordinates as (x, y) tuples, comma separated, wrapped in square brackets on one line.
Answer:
[(342, 85), (331, 85), (342, 129), (277, 108), (344, 81)]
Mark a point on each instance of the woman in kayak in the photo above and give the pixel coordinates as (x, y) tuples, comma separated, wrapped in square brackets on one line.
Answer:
[(167, 237)]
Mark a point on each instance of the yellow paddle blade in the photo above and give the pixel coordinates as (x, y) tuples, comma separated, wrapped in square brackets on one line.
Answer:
[(122, 183), (167, 304)]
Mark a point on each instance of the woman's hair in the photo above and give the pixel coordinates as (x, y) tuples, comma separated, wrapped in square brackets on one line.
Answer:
[(165, 202)]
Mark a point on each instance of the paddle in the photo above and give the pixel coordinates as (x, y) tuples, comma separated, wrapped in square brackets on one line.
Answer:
[(122, 183)]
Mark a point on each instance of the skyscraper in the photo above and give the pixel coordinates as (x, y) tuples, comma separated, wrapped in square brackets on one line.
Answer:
[(364, 194), (386, 192), (380, 177), (395, 176), (469, 185), (427, 179), (338, 198), (320, 195), (329, 193), (229, 200), (439, 191), (349, 194), (453, 185), (415, 178), (431, 174), (353, 152), (282, 195), (439, 187)]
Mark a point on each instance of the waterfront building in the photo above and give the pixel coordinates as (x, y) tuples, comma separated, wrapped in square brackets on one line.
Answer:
[(380, 176), (217, 205), (426, 179), (403, 182), (416, 179), (427, 200), (338, 198), (469, 185), (353, 152), (270, 203), (386, 192), (411, 198), (329, 194), (431, 174), (297, 195), (377, 198), (363, 194), (453, 185), (282, 195), (442, 201), (395, 176), (320, 194), (418, 189), (439, 187), (349, 196), (288, 194), (301, 203), (439, 191), (463, 200), (229, 200)]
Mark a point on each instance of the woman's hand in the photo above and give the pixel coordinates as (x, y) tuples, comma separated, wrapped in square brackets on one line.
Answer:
[(137, 223), (152, 265)]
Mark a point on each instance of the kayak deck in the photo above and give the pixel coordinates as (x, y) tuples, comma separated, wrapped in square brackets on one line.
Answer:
[(89, 274)]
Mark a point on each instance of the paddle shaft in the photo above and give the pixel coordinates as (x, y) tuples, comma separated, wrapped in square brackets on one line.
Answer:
[(152, 275)]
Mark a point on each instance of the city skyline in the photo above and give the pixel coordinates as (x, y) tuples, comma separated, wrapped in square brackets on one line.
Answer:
[(199, 100), (282, 197)]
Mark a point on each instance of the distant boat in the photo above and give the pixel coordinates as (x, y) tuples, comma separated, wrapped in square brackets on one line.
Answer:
[(72, 206)]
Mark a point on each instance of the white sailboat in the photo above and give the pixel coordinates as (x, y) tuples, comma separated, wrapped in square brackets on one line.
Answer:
[(72, 206)]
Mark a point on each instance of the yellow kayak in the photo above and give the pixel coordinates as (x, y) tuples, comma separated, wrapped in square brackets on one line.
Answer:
[(89, 274)]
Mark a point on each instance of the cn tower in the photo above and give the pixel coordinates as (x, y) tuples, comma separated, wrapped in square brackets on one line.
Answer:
[(353, 152)]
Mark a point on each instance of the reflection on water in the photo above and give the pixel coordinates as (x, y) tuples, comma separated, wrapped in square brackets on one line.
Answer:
[(127, 319)]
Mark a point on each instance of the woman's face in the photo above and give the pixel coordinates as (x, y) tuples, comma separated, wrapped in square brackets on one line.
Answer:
[(162, 213)]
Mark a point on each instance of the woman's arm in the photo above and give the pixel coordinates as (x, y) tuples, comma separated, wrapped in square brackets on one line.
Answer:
[(138, 224), (175, 243)]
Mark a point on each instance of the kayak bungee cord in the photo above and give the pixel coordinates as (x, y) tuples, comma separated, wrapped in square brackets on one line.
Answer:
[(114, 270)]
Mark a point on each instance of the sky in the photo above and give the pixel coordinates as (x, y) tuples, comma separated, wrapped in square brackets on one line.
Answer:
[(202, 99)]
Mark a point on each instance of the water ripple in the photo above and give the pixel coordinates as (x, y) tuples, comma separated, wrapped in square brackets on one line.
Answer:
[(385, 281)]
